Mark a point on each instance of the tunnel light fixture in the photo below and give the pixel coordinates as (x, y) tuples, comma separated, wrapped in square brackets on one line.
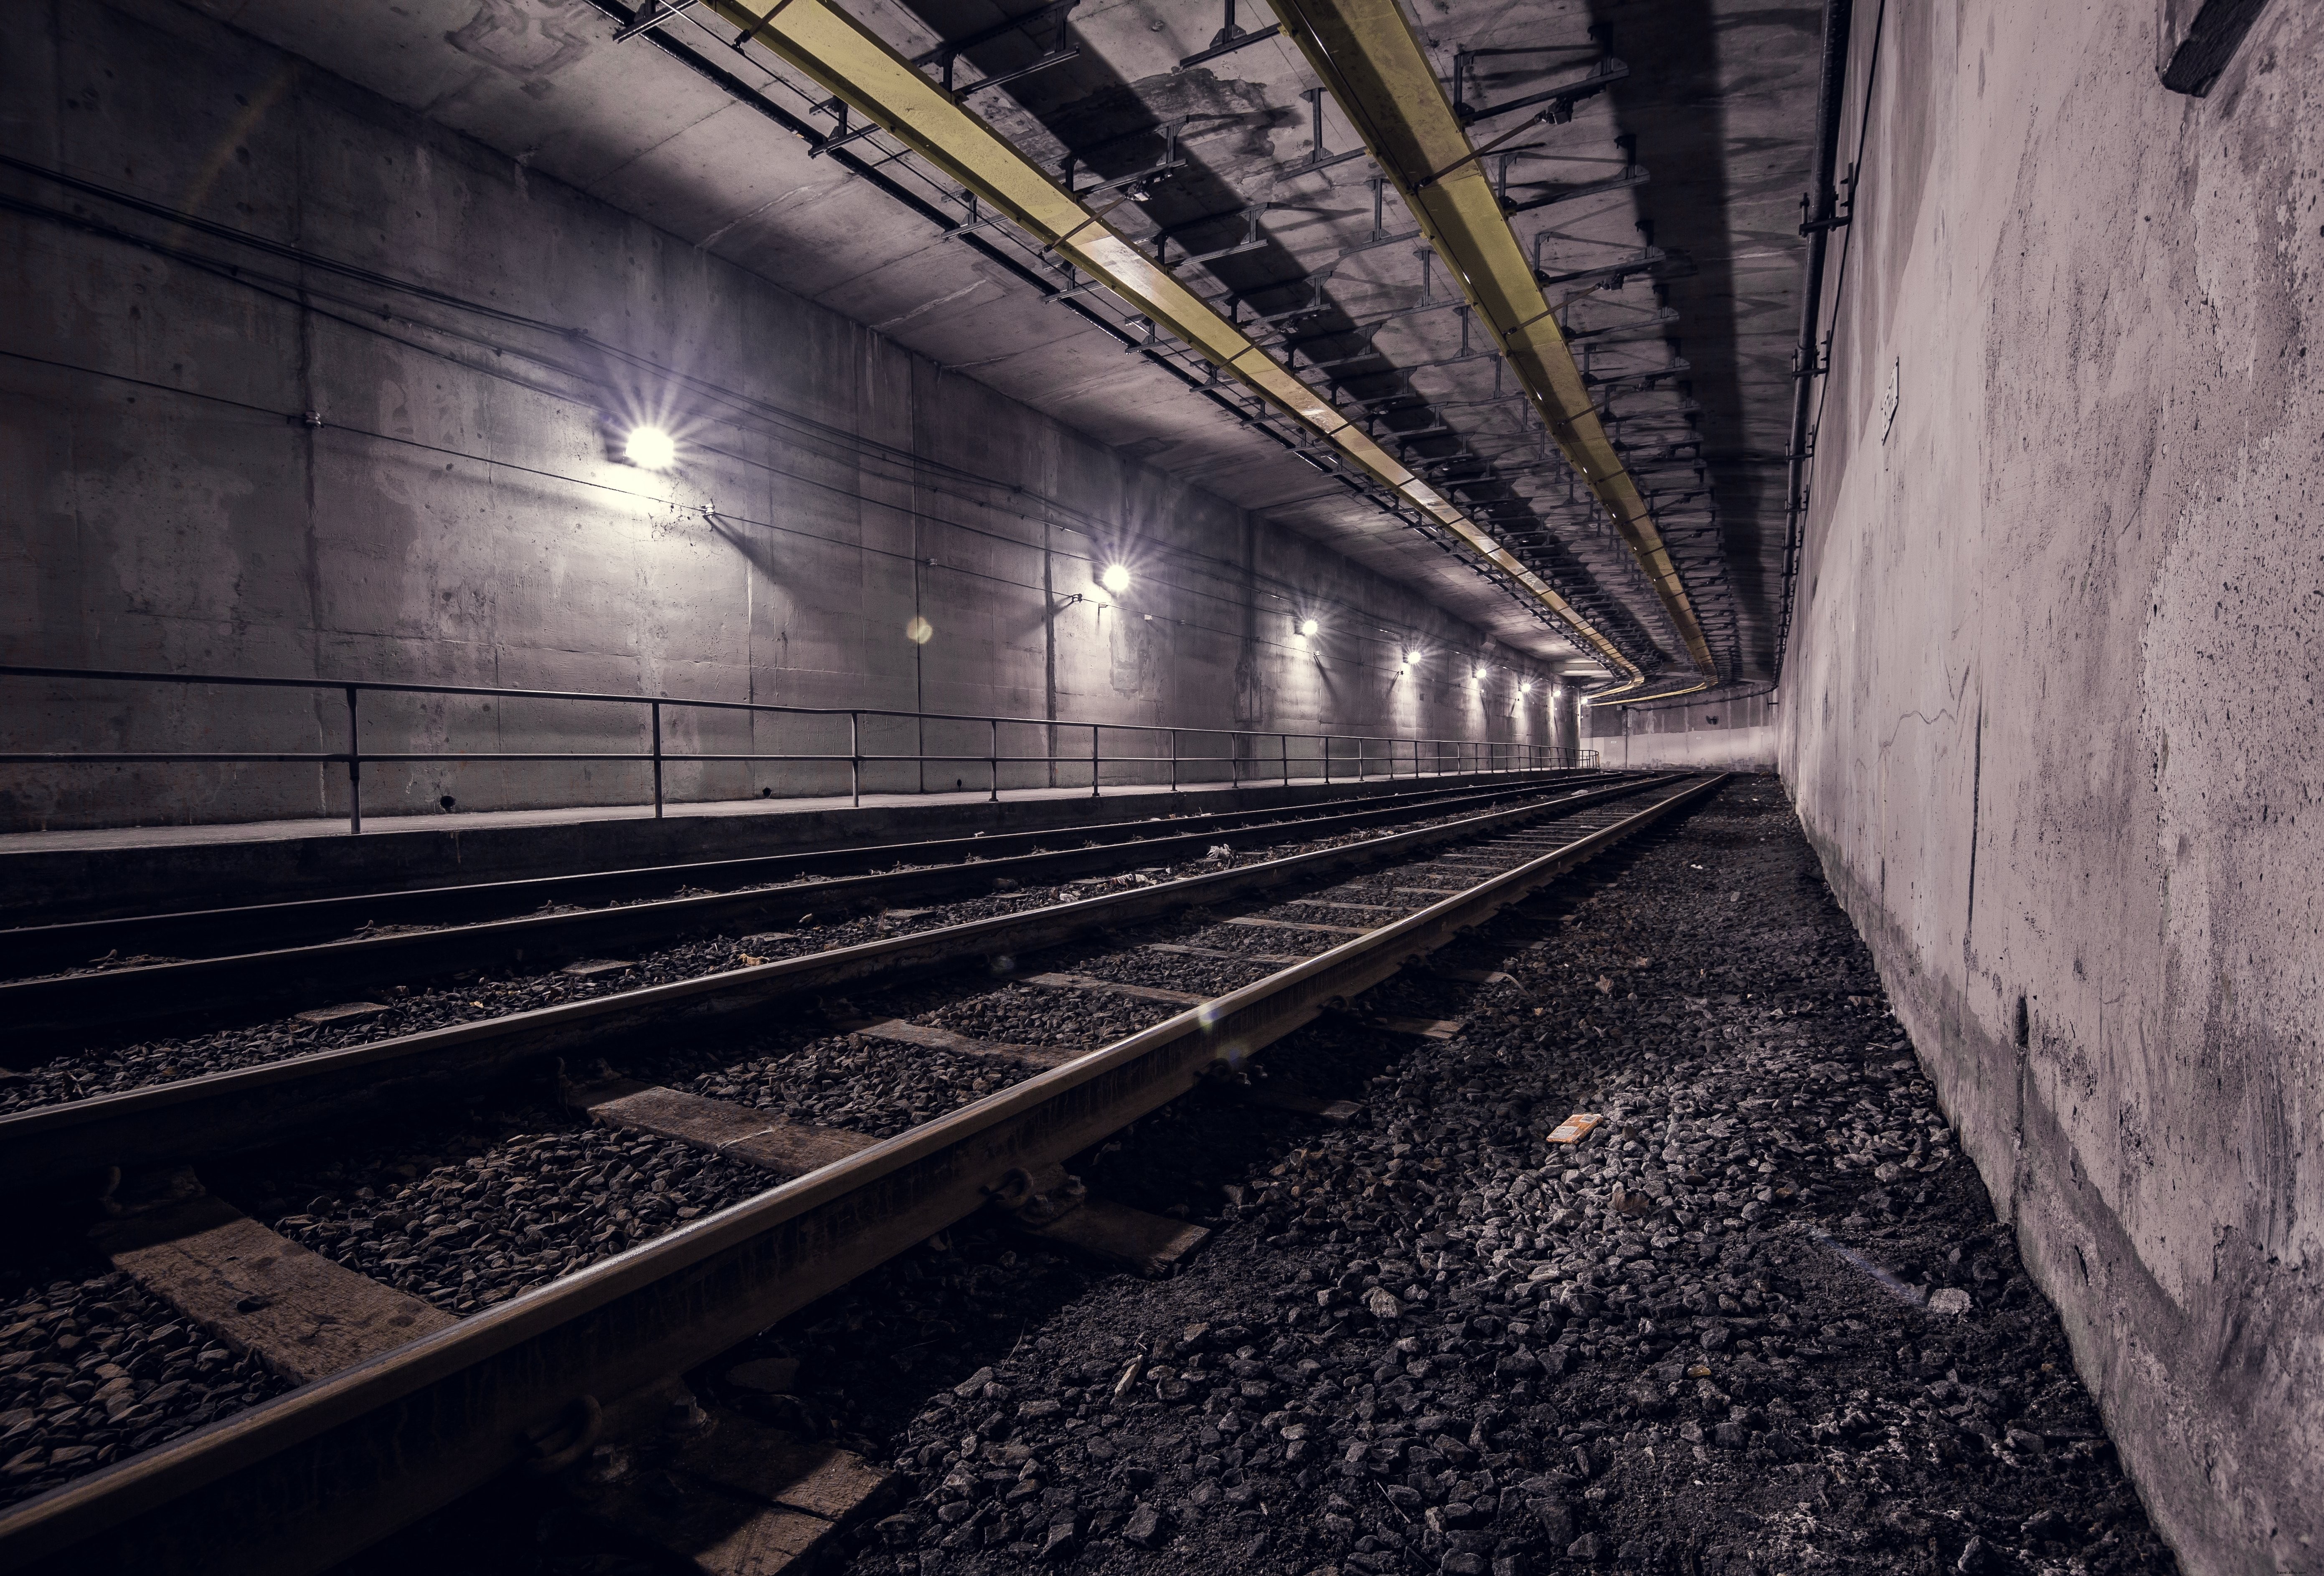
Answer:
[(1478, 674), (1309, 627), (1116, 578), (1526, 687), (1410, 657), (651, 449)]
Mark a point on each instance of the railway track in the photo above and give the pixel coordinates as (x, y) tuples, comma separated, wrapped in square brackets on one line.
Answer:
[(95, 1062), (87, 977), (404, 1406)]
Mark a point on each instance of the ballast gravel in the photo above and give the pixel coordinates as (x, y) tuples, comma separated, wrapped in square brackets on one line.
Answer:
[(864, 1085), (92, 1369), (473, 1216), (1761, 1320)]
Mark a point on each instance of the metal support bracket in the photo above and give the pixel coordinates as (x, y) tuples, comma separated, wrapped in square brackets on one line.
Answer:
[(651, 14), (1229, 39), (1561, 99)]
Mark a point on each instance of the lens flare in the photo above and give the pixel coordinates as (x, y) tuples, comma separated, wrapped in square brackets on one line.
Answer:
[(651, 449)]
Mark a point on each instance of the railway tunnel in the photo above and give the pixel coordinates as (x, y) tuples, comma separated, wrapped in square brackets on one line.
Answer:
[(925, 787)]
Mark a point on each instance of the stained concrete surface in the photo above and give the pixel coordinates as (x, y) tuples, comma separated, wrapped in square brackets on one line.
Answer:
[(2052, 711), (459, 515), (1721, 750), (1717, 103), (542, 83), (1716, 734)]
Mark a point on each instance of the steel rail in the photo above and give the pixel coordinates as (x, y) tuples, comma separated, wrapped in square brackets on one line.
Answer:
[(247, 1108), (1365, 52), (847, 59), (41, 1010), (306, 1480), (32, 949)]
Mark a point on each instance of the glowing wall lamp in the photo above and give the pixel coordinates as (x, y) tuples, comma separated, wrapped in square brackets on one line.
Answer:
[(651, 449), (1308, 627), (1116, 578)]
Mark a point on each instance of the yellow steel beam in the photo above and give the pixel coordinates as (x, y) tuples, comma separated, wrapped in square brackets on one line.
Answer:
[(846, 58), (1368, 58)]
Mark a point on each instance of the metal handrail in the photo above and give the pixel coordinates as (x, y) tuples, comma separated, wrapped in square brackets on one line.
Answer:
[(1467, 757)]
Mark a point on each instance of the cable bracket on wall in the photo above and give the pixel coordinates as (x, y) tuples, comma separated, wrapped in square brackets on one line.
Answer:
[(651, 14)]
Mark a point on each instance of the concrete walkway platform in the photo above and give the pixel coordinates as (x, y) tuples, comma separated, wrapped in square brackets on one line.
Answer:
[(94, 872)]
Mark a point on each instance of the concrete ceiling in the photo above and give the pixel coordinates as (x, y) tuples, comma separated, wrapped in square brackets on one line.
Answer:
[(1716, 109)]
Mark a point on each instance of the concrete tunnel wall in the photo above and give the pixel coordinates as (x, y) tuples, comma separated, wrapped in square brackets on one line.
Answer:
[(1713, 735), (2051, 714), (457, 518)]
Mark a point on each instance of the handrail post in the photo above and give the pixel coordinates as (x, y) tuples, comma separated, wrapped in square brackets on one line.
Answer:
[(1174, 760), (996, 758), (855, 757), (1093, 758), (354, 769), (1327, 760), (657, 758), (1284, 739)]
